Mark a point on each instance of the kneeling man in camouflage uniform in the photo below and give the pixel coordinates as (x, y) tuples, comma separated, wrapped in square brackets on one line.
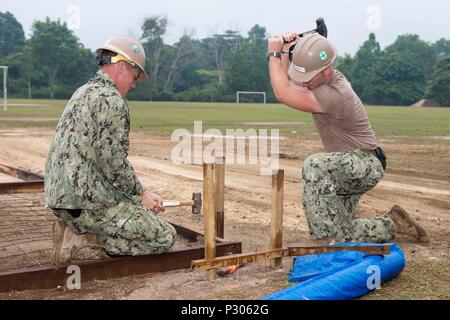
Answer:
[(89, 183), (333, 182)]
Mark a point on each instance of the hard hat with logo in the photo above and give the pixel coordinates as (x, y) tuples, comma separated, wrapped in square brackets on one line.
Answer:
[(312, 54), (128, 49)]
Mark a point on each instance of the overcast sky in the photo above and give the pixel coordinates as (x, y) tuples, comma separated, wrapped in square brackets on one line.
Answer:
[(349, 22)]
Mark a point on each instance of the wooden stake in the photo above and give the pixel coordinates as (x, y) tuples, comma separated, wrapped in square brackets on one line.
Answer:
[(276, 226), (220, 197), (209, 216)]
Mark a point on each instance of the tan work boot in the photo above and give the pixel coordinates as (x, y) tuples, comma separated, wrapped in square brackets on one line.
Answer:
[(406, 225), (67, 244), (88, 248)]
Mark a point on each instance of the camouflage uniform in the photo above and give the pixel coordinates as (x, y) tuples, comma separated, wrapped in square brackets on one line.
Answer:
[(332, 185), (87, 168)]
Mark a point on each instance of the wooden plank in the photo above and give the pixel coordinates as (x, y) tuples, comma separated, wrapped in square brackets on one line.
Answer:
[(375, 249), (276, 222), (209, 216), (238, 259), (51, 277), (220, 197), (22, 187)]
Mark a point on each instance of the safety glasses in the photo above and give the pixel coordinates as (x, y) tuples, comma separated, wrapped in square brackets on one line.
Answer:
[(120, 57)]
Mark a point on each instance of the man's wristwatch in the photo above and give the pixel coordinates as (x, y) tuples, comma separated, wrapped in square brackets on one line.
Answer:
[(273, 54)]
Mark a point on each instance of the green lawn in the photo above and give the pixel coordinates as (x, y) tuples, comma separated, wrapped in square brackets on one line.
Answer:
[(164, 117)]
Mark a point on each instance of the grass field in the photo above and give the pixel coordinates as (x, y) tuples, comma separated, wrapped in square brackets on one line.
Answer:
[(164, 117)]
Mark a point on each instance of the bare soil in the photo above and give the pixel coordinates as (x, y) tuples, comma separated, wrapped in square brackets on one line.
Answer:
[(415, 180)]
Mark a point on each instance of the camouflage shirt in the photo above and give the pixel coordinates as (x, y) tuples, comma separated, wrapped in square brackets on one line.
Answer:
[(87, 166)]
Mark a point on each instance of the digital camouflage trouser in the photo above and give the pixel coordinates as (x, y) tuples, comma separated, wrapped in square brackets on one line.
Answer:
[(125, 229), (332, 185)]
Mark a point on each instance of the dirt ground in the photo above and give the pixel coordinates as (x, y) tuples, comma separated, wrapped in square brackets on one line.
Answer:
[(420, 183)]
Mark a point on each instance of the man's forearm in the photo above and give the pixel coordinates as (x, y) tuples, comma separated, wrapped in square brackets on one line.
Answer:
[(278, 76), (296, 97)]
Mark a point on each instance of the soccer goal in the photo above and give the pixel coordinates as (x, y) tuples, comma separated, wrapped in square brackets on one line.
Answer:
[(239, 93), (5, 87)]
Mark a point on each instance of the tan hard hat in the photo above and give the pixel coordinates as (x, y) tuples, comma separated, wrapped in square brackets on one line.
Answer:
[(312, 54), (131, 49)]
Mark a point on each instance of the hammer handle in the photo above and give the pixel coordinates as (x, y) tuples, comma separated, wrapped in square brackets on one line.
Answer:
[(177, 203)]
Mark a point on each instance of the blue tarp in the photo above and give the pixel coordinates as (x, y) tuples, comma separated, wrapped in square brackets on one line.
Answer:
[(340, 275)]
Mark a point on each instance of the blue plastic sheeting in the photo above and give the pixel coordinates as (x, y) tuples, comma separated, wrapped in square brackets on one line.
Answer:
[(340, 275)]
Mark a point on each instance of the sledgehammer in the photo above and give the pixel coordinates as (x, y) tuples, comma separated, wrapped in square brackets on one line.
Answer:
[(320, 29), (195, 203)]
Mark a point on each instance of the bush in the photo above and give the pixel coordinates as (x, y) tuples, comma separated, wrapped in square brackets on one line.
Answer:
[(40, 93), (198, 94), (209, 93), (16, 88)]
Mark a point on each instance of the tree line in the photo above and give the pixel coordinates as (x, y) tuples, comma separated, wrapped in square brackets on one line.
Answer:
[(53, 62)]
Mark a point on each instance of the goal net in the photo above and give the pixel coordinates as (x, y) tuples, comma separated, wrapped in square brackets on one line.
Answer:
[(240, 93), (5, 87)]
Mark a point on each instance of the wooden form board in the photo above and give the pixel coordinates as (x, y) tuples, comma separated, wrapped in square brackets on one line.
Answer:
[(22, 187), (241, 259)]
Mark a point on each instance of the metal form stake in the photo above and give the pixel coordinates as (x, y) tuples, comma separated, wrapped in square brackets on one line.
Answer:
[(220, 197)]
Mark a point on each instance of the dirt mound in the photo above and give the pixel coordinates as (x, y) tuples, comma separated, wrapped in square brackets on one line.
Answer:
[(426, 103)]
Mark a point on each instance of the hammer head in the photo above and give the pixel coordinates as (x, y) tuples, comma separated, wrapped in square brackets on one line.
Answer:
[(197, 206), (321, 27)]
